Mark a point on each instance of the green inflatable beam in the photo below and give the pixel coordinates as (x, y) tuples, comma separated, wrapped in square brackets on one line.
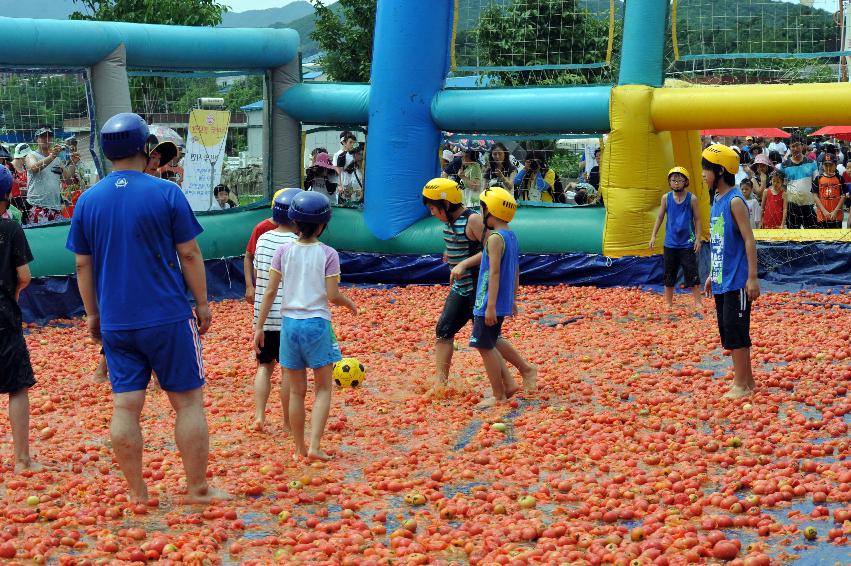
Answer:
[(541, 230)]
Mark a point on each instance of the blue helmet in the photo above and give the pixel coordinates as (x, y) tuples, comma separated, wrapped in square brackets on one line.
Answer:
[(124, 135), (5, 182), (310, 207), (281, 205)]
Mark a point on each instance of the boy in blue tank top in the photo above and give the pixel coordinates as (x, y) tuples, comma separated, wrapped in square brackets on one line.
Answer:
[(499, 277), (682, 235), (733, 271)]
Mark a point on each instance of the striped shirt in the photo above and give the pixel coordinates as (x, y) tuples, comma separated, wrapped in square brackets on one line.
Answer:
[(458, 248), (267, 245)]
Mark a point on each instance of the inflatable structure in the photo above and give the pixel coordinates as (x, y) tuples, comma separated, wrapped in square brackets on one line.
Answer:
[(652, 127)]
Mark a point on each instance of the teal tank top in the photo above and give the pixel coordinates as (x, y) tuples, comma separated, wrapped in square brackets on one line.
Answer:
[(458, 248)]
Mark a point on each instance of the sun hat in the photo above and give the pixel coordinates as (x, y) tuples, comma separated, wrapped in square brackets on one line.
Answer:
[(763, 158), (322, 160), (43, 130), (447, 155), (21, 151)]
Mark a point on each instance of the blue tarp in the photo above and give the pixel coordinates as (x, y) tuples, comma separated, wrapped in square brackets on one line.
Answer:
[(783, 267)]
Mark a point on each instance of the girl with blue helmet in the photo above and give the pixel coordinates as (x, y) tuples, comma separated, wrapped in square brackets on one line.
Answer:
[(310, 272)]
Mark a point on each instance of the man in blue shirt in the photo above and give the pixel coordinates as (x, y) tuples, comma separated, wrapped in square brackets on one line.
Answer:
[(134, 240), (800, 172)]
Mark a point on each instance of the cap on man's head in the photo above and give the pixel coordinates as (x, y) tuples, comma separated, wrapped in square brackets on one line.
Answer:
[(749, 138)]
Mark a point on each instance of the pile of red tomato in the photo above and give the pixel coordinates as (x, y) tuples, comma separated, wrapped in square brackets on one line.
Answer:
[(627, 454)]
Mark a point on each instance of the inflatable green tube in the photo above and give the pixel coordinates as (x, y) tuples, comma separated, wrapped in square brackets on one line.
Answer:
[(541, 230)]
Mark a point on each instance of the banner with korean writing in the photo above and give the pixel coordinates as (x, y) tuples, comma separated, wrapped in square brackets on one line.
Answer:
[(205, 156)]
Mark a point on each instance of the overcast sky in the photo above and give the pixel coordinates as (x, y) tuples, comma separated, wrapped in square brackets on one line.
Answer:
[(243, 5)]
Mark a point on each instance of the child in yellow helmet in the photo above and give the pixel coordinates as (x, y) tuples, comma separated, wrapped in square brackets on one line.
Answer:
[(499, 278), (733, 273), (682, 235)]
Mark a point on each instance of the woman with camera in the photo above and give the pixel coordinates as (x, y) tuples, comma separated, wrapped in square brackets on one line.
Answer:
[(501, 171)]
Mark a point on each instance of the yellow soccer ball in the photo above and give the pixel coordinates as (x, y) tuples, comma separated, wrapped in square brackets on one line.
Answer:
[(349, 372)]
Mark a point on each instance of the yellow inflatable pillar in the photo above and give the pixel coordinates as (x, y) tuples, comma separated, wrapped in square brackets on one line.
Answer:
[(687, 148), (632, 178)]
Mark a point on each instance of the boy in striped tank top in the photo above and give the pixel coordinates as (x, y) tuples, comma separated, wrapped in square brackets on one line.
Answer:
[(462, 235)]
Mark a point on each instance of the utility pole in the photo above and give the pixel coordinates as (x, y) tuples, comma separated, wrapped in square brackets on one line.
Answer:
[(843, 60)]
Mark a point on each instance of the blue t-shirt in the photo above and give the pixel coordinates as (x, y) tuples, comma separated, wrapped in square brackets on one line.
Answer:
[(508, 266), (130, 223), (729, 265), (679, 228)]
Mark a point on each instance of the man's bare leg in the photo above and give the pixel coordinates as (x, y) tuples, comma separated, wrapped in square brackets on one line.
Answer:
[(19, 417), (127, 440), (193, 441)]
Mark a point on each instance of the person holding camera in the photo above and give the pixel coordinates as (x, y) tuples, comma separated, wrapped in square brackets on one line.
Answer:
[(44, 170), (351, 179), (529, 184)]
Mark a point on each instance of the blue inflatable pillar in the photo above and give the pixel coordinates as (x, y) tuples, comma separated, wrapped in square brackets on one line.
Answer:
[(409, 64)]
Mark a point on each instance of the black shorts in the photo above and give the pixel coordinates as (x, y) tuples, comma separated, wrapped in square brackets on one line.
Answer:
[(457, 312), (833, 224), (801, 216), (485, 337), (673, 258), (733, 310), (16, 372), (271, 347)]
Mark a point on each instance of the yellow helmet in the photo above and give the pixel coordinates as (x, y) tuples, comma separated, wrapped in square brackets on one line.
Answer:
[(720, 154), (682, 171), (277, 193), (442, 189), (500, 203)]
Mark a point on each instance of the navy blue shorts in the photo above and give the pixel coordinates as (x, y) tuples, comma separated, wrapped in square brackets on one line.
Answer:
[(485, 337), (308, 343), (171, 350)]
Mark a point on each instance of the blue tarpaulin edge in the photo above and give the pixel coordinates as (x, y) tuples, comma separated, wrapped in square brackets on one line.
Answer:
[(783, 267)]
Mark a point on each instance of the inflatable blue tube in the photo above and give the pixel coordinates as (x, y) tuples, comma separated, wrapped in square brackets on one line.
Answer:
[(327, 103), (643, 48), (572, 109), (410, 62), (73, 43)]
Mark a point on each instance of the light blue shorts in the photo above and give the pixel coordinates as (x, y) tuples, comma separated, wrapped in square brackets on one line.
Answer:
[(308, 343)]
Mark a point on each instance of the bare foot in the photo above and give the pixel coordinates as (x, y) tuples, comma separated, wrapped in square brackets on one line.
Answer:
[(487, 403), (317, 455), (28, 465), (299, 457), (207, 494), (736, 392), (138, 497), (509, 393), (258, 425), (101, 375), (530, 380)]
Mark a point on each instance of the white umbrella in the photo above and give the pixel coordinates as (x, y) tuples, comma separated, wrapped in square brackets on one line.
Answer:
[(164, 133)]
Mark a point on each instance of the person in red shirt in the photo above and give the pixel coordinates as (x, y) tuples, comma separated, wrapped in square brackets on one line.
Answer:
[(248, 261), (829, 194)]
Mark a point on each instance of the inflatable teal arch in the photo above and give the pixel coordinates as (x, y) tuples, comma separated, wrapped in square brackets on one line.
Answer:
[(652, 126)]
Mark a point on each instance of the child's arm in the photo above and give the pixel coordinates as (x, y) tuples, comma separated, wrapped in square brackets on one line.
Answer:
[(819, 205), (762, 201), (785, 207), (740, 213), (516, 290), (272, 286), (332, 289), (24, 279), (698, 224), (495, 249), (662, 209), (475, 229)]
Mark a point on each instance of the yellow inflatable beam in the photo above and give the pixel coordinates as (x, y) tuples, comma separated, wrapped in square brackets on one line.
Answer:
[(834, 235), (754, 106)]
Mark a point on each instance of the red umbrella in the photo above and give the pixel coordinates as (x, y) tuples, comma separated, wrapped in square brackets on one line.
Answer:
[(839, 132), (742, 132)]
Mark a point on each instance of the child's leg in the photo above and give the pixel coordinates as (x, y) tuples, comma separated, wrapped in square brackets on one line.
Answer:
[(262, 388), (528, 371), (297, 379), (19, 417), (669, 296), (322, 378), (494, 365), (697, 295), (443, 350), (101, 374), (284, 392), (743, 381)]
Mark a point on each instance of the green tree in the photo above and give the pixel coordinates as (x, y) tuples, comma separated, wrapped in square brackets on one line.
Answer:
[(168, 12), (244, 92), (29, 100), (528, 33), (345, 35)]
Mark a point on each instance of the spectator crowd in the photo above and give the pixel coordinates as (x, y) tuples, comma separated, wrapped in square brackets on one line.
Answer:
[(793, 184)]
